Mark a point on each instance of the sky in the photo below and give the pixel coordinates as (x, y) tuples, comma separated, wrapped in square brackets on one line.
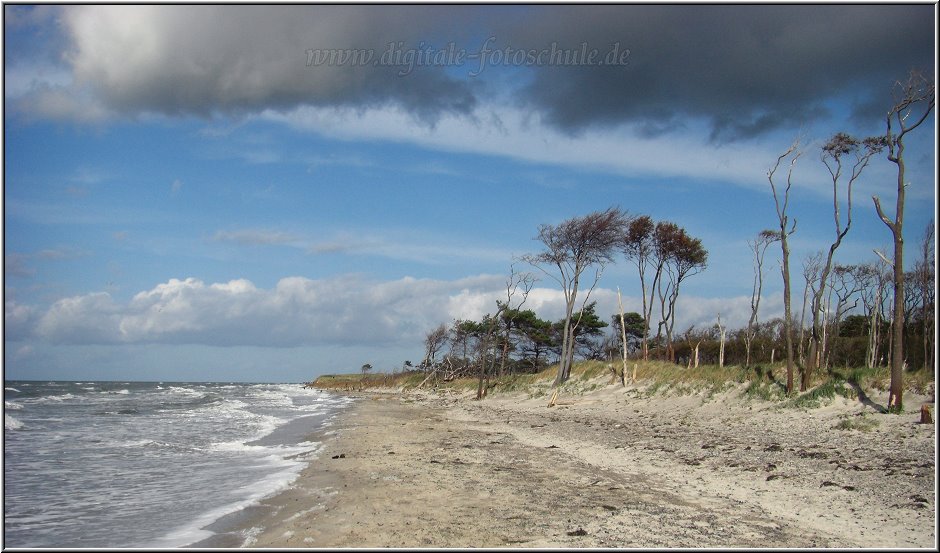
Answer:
[(270, 193)]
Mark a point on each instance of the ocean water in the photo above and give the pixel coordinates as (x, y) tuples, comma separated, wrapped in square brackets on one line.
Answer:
[(148, 464)]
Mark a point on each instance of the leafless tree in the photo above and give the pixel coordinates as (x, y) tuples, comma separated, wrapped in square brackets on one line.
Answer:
[(433, 342), (846, 285), (926, 274), (793, 153), (812, 265), (759, 246), (873, 278), (505, 313), (572, 247), (914, 100)]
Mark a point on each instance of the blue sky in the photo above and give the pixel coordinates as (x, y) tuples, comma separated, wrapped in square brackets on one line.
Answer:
[(186, 199)]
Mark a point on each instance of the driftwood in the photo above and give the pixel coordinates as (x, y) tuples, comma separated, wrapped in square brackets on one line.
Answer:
[(551, 402)]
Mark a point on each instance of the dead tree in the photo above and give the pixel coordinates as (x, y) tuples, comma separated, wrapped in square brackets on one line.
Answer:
[(759, 246), (812, 264), (926, 273), (786, 229), (433, 342), (721, 344), (914, 100)]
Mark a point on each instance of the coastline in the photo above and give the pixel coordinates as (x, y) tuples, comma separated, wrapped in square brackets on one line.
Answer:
[(606, 469)]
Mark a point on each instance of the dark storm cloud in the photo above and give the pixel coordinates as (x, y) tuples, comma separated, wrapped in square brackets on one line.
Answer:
[(179, 60), (746, 69)]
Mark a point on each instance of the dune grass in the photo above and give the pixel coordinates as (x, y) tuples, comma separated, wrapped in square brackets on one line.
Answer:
[(655, 378)]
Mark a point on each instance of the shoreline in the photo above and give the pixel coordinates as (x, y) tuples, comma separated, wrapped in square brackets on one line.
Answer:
[(606, 470)]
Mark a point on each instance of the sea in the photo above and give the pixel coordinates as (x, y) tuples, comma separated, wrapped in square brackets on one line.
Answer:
[(149, 464)]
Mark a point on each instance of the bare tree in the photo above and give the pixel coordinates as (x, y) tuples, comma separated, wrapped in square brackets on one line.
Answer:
[(846, 285), (873, 278), (812, 265), (914, 100), (433, 342), (505, 314), (571, 248), (833, 153), (926, 274), (721, 346), (759, 246), (794, 153)]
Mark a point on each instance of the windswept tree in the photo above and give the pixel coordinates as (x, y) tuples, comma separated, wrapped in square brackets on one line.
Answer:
[(685, 257), (759, 246), (434, 340), (781, 202), (913, 102), (571, 248), (833, 155), (639, 246)]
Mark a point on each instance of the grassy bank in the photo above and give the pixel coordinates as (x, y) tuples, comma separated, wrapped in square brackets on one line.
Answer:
[(760, 382)]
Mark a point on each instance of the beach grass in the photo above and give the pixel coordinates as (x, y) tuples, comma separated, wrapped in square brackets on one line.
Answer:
[(653, 378)]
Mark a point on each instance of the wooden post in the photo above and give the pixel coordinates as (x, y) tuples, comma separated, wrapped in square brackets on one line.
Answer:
[(926, 415), (721, 348), (623, 337)]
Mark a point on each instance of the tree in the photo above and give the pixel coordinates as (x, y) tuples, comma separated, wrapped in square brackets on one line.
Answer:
[(812, 265), (589, 328), (759, 246), (914, 100), (832, 156), (572, 247), (925, 271), (684, 256), (634, 331), (366, 368), (794, 153), (688, 258), (433, 342), (639, 246), (538, 337)]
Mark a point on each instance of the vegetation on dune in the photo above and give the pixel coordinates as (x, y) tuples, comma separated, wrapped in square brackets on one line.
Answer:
[(654, 379)]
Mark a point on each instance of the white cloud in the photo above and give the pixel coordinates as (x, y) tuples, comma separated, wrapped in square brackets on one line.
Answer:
[(298, 311), (507, 131), (255, 237), (340, 311)]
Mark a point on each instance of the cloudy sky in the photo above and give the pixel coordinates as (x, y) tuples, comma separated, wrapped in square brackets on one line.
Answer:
[(271, 193)]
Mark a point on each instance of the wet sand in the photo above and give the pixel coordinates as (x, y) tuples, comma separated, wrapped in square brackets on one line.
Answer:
[(611, 468)]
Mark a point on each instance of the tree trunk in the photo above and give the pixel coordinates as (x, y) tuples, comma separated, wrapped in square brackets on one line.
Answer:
[(623, 339)]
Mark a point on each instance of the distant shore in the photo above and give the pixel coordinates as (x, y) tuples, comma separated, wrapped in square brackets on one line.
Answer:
[(608, 469)]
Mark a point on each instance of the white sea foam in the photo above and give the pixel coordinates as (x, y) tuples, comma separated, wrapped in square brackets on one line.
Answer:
[(261, 489), (62, 397), (12, 405), (9, 423), (11, 389)]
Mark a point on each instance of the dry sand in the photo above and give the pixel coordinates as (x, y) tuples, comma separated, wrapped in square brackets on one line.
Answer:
[(609, 469)]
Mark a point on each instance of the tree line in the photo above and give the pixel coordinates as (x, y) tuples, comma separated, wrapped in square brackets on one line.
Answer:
[(852, 315)]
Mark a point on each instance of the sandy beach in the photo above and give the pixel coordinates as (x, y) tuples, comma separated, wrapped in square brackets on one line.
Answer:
[(610, 468)]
